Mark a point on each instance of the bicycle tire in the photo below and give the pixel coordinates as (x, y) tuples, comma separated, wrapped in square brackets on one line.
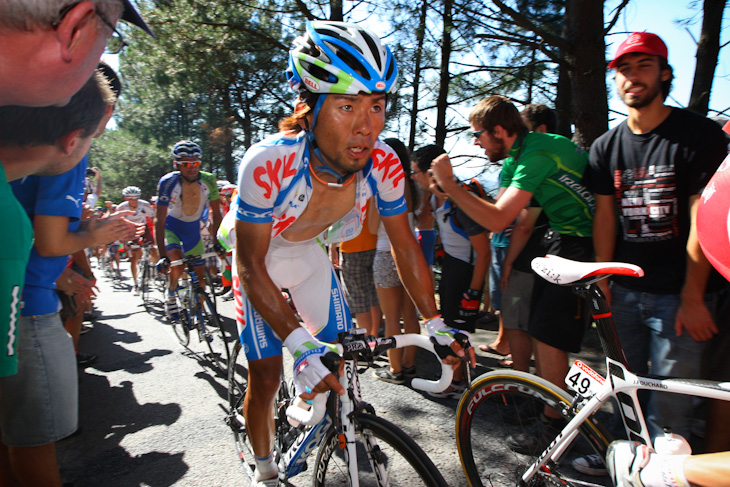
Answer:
[(499, 432), (403, 459), (210, 288), (144, 285), (237, 385), (213, 334), (182, 326)]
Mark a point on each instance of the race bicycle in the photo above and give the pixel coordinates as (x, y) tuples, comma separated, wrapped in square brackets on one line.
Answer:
[(355, 447), (502, 433), (198, 312), (149, 278)]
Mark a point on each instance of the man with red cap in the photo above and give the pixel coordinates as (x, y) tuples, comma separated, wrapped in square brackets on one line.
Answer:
[(647, 175)]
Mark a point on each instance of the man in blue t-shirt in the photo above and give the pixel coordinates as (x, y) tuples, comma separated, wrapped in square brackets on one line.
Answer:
[(46, 365)]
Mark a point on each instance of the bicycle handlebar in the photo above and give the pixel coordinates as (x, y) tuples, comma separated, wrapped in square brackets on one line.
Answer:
[(357, 345)]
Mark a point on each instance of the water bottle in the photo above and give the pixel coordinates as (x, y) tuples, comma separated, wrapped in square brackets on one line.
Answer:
[(671, 444), (300, 403)]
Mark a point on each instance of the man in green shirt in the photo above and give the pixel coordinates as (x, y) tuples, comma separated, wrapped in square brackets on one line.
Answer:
[(548, 168)]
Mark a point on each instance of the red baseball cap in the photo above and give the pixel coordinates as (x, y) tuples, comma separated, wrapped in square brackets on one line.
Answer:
[(644, 42)]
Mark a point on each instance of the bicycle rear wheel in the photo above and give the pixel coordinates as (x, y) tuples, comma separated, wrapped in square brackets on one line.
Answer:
[(212, 332), (501, 430), (385, 456)]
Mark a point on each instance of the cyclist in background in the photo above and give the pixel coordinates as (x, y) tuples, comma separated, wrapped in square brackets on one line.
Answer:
[(329, 162), (142, 214), (182, 198)]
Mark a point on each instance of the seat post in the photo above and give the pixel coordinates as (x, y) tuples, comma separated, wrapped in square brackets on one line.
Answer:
[(602, 316)]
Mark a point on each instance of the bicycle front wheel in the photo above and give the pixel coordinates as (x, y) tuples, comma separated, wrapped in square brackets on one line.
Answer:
[(502, 429), (184, 323), (386, 456), (144, 284), (214, 335)]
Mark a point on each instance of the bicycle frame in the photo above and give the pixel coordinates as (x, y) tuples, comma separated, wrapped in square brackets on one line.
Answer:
[(621, 384)]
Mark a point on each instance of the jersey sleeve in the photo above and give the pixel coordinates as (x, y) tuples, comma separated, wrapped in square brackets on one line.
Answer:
[(264, 171), (389, 181), (165, 188), (531, 171), (210, 181), (61, 195)]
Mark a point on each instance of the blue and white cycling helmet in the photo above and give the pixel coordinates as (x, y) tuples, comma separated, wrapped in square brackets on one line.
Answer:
[(186, 148), (342, 58), (131, 192)]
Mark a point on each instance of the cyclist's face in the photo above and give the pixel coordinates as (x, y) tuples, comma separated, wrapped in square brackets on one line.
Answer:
[(187, 167), (420, 177), (347, 128), (132, 201)]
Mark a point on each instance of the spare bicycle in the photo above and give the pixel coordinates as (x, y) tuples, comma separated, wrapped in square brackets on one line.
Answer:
[(355, 446), (197, 311), (508, 405)]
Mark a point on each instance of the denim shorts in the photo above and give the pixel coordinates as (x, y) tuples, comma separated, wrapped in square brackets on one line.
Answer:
[(495, 275), (39, 405)]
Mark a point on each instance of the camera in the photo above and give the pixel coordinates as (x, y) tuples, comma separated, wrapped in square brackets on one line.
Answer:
[(90, 173)]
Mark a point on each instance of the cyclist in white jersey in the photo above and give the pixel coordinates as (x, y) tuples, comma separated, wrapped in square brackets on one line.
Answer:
[(183, 198), (142, 211), (309, 184)]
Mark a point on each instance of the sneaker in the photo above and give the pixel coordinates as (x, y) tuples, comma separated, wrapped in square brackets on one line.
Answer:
[(409, 372), (624, 460), (173, 315), (386, 375), (135, 291), (85, 359), (86, 329), (227, 296), (590, 465), (92, 315), (536, 437), (454, 391)]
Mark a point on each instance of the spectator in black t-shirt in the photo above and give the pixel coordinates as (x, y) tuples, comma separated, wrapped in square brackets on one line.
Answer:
[(647, 175)]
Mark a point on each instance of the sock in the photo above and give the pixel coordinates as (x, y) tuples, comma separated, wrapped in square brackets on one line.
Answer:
[(265, 468), (664, 471)]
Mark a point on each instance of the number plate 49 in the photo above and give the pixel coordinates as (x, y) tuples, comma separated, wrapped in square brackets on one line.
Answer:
[(584, 380)]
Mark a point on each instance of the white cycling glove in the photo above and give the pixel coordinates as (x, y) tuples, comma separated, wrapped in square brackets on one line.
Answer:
[(308, 352), (444, 336)]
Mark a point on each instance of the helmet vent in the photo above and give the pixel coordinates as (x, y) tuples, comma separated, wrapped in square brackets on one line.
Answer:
[(373, 49), (350, 60)]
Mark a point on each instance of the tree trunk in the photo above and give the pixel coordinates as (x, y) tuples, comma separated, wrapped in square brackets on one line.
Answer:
[(563, 103), (420, 34), (708, 50), (443, 94), (586, 60)]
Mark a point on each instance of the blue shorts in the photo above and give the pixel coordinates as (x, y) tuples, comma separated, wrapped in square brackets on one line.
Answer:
[(304, 269), (183, 235), (39, 405)]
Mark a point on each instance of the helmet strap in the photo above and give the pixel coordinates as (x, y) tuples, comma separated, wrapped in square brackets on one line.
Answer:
[(326, 168)]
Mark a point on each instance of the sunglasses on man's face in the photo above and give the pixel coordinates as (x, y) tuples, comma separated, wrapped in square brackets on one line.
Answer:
[(188, 165)]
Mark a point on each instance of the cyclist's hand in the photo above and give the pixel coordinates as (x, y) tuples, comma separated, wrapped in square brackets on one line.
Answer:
[(456, 340), (163, 264), (311, 375), (219, 249), (469, 305)]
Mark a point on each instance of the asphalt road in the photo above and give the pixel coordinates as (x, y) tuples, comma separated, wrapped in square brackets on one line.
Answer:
[(151, 411)]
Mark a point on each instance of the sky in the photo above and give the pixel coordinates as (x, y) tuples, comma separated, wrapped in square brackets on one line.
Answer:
[(657, 16)]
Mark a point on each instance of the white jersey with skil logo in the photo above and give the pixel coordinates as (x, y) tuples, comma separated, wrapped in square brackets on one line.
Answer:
[(142, 212), (274, 185)]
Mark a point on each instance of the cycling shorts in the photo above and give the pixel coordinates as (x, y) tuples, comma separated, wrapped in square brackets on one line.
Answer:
[(304, 269), (184, 236)]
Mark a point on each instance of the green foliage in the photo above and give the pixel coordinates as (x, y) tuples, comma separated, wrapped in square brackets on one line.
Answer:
[(126, 161)]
